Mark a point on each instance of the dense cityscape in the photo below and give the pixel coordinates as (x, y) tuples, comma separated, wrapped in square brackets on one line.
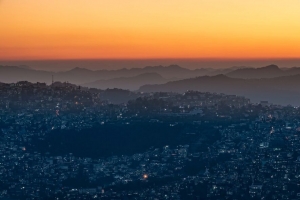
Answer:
[(62, 141)]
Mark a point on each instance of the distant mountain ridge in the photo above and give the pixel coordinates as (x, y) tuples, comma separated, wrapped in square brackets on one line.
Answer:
[(280, 90), (128, 83), (277, 85), (270, 71), (9, 74), (112, 78)]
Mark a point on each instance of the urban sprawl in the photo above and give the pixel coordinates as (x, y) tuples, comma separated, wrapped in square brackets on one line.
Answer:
[(63, 141)]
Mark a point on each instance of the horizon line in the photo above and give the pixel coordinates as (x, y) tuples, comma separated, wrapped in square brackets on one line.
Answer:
[(166, 58)]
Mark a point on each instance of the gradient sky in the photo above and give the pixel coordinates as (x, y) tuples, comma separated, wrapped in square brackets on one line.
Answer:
[(83, 29)]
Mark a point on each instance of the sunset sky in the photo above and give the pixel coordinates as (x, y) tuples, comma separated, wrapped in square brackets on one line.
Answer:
[(83, 29)]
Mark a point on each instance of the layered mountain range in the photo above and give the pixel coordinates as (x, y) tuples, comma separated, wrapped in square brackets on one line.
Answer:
[(270, 71), (10, 74), (81, 75), (130, 83), (280, 90), (271, 83), (130, 79)]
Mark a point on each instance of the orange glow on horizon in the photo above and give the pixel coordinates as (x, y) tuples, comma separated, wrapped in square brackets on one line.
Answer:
[(114, 29)]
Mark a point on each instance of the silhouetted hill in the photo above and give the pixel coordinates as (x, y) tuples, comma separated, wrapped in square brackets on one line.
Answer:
[(10, 74), (172, 71), (280, 90), (24, 67), (82, 76), (129, 83), (292, 71), (78, 75), (225, 70), (270, 71)]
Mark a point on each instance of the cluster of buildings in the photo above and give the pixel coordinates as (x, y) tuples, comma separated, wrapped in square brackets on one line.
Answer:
[(255, 156)]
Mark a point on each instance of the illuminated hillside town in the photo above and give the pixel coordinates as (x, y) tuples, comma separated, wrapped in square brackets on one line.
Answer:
[(63, 141)]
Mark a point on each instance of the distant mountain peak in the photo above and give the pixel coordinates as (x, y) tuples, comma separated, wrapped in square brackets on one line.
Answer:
[(270, 67), (174, 66), (131, 83), (160, 66), (220, 76), (79, 69), (269, 71)]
